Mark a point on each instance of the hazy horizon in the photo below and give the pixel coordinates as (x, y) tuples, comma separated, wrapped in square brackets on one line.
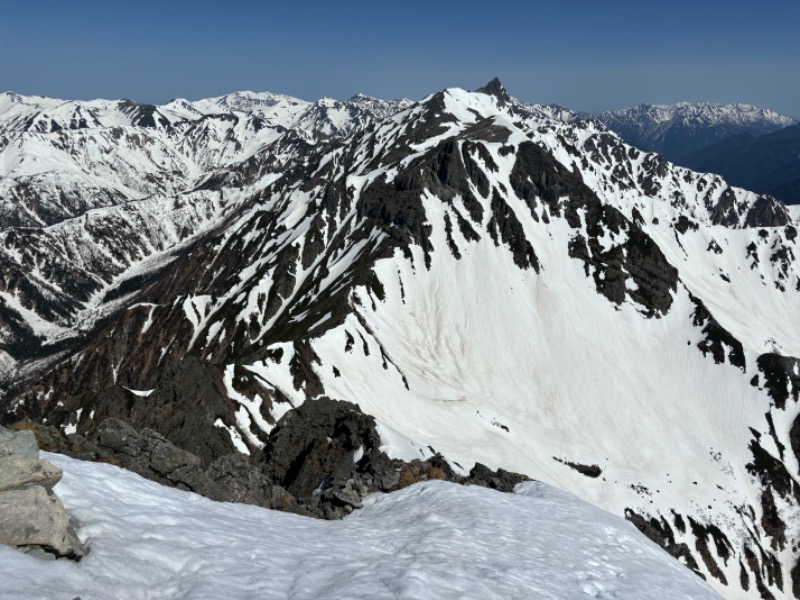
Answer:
[(581, 55)]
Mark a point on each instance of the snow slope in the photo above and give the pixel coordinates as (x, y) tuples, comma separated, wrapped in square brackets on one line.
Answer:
[(433, 540)]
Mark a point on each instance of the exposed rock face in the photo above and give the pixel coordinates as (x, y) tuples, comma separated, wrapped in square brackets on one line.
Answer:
[(183, 406), (231, 478), (496, 89), (316, 441), (147, 449), (32, 518)]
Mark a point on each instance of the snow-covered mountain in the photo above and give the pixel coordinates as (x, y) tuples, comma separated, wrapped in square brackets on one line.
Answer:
[(89, 191), (488, 277), (676, 130)]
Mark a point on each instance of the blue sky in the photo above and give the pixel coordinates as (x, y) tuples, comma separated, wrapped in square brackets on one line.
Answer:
[(581, 54)]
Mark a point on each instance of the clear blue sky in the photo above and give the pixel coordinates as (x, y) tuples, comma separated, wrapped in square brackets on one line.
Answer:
[(588, 55)]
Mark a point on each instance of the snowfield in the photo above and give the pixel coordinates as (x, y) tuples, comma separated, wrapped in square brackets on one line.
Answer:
[(431, 540)]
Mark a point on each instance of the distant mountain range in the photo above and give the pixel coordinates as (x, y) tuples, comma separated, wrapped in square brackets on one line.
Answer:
[(754, 148), (677, 130), (767, 163)]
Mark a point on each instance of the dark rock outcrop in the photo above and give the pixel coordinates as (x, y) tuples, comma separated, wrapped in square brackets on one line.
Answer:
[(593, 471), (230, 478), (660, 532), (327, 453), (496, 89)]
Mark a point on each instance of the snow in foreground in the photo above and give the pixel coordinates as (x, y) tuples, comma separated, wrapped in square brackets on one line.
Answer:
[(432, 540)]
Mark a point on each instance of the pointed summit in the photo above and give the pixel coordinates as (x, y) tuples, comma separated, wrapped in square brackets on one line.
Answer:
[(496, 89)]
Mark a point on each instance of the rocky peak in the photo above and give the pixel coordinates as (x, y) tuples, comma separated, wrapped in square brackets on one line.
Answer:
[(496, 89)]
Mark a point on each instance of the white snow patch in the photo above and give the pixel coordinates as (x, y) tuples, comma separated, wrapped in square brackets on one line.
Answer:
[(248, 409), (140, 393), (195, 309), (397, 445), (236, 437), (73, 427)]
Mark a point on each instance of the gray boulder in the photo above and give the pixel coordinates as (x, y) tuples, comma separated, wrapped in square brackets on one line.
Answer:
[(34, 518), (18, 442), (18, 471)]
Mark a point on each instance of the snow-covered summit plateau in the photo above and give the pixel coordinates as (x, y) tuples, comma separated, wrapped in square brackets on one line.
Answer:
[(433, 540)]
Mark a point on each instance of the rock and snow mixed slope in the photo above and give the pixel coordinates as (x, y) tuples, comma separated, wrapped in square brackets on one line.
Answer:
[(434, 540), (493, 280), (94, 194)]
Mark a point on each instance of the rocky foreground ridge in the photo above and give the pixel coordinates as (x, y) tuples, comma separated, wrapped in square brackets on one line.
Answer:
[(321, 460)]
